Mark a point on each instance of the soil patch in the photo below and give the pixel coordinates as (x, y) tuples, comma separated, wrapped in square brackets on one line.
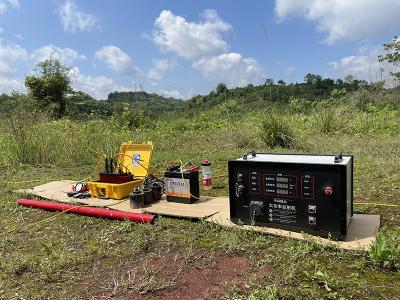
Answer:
[(193, 275)]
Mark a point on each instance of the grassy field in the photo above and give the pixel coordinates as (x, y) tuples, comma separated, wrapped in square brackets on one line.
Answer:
[(75, 257)]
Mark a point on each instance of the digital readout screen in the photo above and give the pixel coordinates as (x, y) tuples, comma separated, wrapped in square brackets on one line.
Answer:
[(282, 179), (282, 192), (282, 185)]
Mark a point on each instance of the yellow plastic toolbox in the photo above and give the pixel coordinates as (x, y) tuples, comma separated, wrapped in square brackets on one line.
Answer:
[(133, 158)]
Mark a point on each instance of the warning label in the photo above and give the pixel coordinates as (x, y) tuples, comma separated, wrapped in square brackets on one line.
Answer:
[(177, 187), (282, 213), (135, 160)]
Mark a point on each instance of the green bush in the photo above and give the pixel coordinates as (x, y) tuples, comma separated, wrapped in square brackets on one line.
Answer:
[(133, 118), (299, 105), (275, 132), (385, 251), (362, 99)]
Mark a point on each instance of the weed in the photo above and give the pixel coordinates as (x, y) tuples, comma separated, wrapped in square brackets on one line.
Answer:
[(242, 138), (255, 291), (230, 241), (268, 292), (299, 105), (330, 119), (133, 282), (275, 132), (323, 279), (363, 98), (385, 251)]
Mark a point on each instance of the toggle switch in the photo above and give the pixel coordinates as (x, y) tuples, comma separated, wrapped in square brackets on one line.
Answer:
[(312, 220)]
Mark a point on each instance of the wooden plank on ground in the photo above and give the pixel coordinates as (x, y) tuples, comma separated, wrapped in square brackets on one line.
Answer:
[(361, 233)]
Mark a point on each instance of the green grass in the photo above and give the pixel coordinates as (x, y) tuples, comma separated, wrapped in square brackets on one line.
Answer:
[(77, 257), (385, 252), (275, 132)]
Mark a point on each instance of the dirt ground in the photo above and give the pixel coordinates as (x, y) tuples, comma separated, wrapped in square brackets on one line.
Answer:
[(197, 275)]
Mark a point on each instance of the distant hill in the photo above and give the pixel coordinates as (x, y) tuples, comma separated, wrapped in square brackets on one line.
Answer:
[(151, 104), (80, 104), (316, 89)]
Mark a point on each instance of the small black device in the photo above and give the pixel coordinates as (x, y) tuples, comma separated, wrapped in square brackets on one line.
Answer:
[(182, 186), (298, 192), (136, 199)]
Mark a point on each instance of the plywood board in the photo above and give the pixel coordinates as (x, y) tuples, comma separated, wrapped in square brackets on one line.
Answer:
[(57, 190), (361, 232)]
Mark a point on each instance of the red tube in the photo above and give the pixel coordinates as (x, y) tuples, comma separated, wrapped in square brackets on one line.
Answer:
[(89, 211)]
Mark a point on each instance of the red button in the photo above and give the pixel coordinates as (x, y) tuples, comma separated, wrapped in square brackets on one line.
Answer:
[(328, 190)]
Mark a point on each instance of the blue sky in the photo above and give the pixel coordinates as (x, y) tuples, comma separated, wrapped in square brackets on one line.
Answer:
[(184, 48)]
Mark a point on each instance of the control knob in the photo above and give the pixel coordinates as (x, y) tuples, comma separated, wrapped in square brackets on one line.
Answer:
[(328, 190), (239, 189)]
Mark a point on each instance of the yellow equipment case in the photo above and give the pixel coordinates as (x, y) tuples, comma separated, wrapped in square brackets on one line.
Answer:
[(133, 158)]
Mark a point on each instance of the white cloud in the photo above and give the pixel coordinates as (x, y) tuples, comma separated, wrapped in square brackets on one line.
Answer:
[(4, 5), (360, 66), (189, 39), (73, 19), (344, 19), (159, 68), (230, 68), (67, 55), (173, 93), (8, 85), (96, 86), (10, 56), (116, 59), (364, 65)]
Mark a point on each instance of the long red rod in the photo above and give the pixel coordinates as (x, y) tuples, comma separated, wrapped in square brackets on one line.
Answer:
[(89, 211)]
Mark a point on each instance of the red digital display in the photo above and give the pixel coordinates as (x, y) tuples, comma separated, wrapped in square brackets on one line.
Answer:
[(280, 184)]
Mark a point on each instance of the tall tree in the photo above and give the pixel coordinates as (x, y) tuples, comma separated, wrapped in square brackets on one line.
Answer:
[(50, 86), (221, 87), (269, 81), (281, 82), (312, 78), (349, 78), (392, 55)]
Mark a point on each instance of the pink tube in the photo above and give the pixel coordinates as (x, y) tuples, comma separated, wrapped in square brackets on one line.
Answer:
[(89, 211)]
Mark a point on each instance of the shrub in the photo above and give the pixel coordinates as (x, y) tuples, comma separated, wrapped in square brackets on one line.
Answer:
[(228, 107), (133, 118), (379, 98), (385, 251), (299, 105), (221, 88), (275, 132)]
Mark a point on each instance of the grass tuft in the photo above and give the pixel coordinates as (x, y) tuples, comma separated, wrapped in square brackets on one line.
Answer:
[(385, 252), (275, 132)]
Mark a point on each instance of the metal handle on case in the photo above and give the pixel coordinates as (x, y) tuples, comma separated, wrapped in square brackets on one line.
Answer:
[(253, 154)]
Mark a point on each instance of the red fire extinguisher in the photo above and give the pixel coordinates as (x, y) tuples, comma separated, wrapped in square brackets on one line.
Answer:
[(206, 171)]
